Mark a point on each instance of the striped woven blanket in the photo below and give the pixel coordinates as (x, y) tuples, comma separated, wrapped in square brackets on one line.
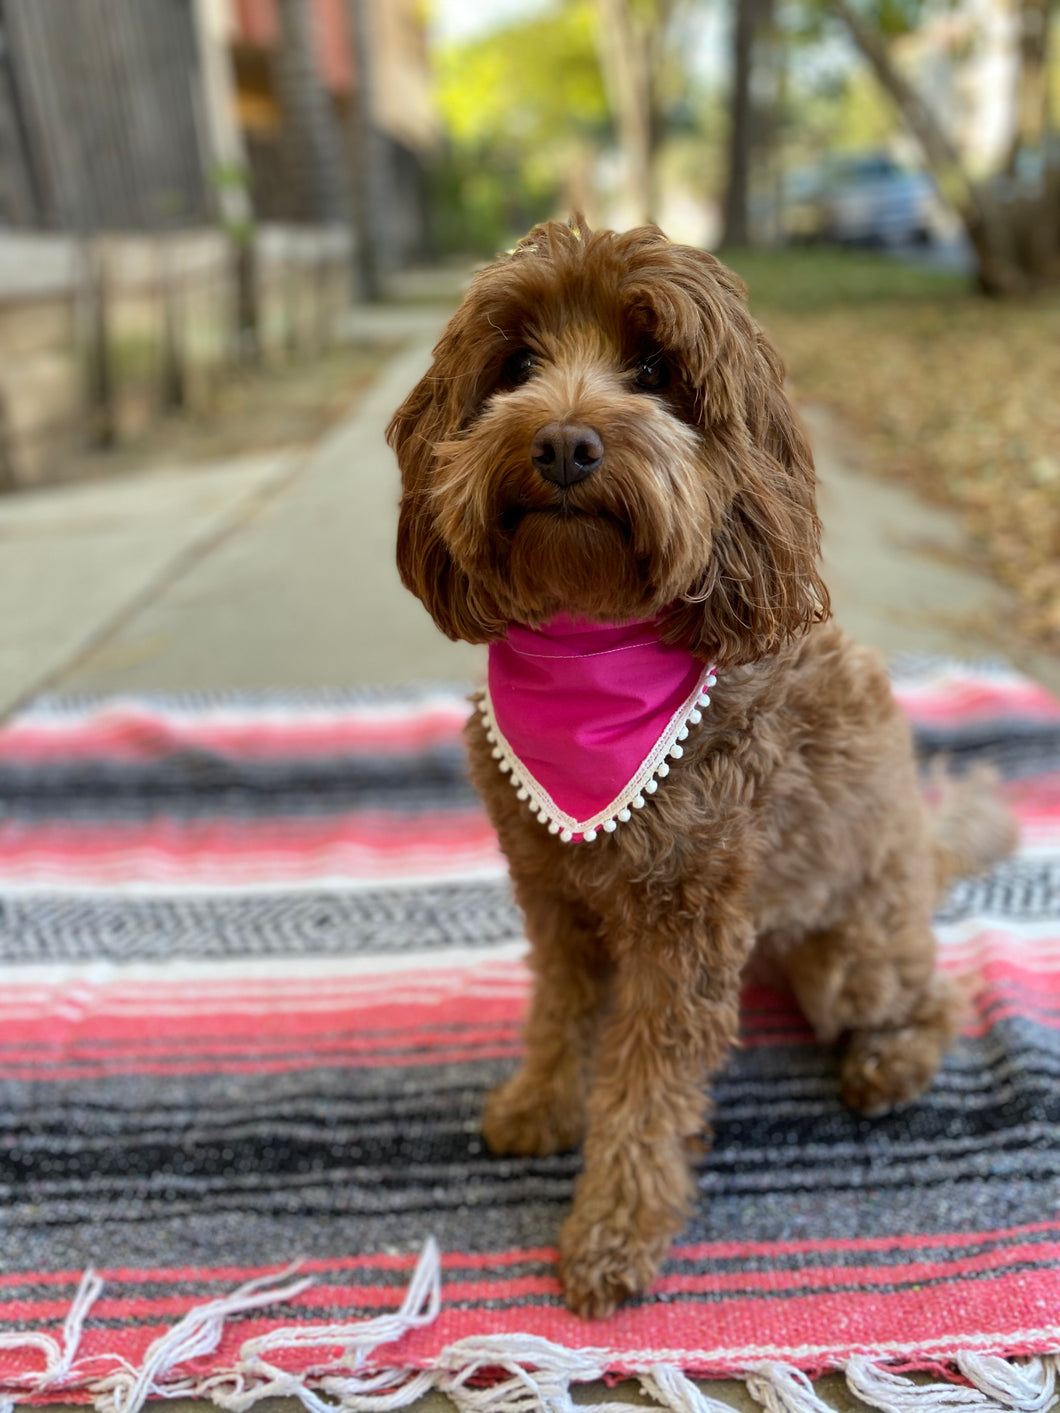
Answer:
[(261, 965)]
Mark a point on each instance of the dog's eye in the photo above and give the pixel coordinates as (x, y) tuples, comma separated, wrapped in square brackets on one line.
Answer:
[(518, 367), (651, 374)]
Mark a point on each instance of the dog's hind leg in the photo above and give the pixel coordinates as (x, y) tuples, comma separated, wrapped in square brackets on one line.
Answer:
[(541, 1109), (872, 979)]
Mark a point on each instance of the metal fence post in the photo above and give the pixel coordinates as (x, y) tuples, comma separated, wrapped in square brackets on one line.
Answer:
[(8, 475), (173, 380), (99, 371)]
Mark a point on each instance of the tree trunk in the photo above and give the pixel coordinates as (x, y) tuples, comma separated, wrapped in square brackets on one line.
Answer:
[(631, 46), (737, 225), (1032, 94), (746, 130)]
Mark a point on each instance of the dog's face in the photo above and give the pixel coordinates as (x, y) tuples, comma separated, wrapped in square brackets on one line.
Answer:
[(603, 433)]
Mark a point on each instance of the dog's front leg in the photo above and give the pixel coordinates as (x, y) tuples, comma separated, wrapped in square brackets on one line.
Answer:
[(541, 1109), (674, 1017)]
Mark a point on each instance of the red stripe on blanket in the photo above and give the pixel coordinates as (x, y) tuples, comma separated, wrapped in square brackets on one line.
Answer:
[(453, 1261), (1003, 1311), (128, 735), (364, 845), (961, 700), (507, 1289), (127, 1013), (131, 1031)]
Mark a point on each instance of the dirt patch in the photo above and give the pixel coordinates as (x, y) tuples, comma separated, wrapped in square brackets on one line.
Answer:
[(279, 405)]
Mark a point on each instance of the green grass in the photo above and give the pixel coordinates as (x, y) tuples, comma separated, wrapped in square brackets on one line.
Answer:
[(795, 281)]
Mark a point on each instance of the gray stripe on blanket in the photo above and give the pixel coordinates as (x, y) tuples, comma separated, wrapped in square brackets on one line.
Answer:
[(390, 919)]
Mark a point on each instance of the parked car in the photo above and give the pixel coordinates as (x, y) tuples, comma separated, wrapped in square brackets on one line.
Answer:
[(866, 198), (870, 199)]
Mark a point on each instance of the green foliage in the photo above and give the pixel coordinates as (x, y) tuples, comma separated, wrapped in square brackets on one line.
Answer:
[(482, 208), (240, 232), (847, 113), (532, 84), (230, 176), (522, 106), (864, 116), (811, 281), (813, 19)]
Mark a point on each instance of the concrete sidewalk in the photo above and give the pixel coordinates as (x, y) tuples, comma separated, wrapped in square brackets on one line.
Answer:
[(263, 571), (278, 570), (77, 561)]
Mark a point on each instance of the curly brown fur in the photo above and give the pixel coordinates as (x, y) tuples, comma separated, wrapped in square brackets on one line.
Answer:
[(794, 824)]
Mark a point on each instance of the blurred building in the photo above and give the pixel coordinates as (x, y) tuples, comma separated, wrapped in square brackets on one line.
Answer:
[(142, 114), (98, 122), (403, 131)]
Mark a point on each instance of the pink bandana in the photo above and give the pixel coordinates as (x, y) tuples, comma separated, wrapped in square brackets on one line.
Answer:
[(583, 716)]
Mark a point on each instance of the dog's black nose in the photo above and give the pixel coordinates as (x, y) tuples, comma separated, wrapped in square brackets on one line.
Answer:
[(566, 453)]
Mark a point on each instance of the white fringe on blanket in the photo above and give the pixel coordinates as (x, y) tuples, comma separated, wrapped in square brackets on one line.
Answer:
[(525, 1373)]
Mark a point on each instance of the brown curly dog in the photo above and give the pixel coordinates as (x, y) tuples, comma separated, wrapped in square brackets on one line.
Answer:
[(604, 434)]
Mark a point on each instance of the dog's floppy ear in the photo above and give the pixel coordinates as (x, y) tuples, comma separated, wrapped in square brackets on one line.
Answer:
[(761, 584), (424, 562)]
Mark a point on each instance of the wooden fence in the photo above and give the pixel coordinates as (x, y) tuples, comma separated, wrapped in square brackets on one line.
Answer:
[(149, 325)]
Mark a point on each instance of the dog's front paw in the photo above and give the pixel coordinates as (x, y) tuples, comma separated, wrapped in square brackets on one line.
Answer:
[(602, 1263), (532, 1119)]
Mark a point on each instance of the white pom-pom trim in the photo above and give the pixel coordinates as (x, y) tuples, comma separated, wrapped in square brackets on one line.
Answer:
[(619, 811)]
